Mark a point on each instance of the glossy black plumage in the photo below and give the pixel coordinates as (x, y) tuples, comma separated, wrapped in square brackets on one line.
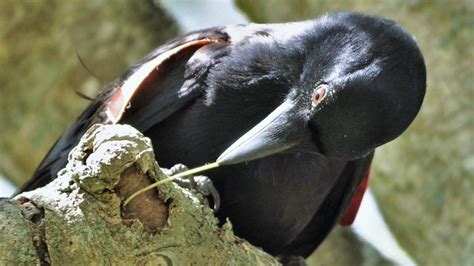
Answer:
[(311, 157)]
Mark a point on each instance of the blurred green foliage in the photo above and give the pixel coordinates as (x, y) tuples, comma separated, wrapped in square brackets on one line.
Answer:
[(40, 71), (424, 180)]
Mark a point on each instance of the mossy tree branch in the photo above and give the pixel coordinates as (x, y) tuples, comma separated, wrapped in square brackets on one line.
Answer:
[(79, 218)]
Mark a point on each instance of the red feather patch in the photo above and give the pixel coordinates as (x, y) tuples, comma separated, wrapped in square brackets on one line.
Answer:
[(351, 210)]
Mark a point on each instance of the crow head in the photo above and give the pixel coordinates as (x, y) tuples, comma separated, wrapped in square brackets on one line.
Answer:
[(354, 82)]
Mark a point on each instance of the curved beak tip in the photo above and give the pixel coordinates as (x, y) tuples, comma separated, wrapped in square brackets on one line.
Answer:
[(272, 135), (222, 160), (237, 154)]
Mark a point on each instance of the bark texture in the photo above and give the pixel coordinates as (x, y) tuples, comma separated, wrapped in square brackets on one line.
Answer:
[(79, 218)]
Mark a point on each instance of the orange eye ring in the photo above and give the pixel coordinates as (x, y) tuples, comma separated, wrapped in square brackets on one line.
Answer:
[(318, 95)]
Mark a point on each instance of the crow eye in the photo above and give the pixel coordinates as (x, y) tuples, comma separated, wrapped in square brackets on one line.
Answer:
[(318, 94)]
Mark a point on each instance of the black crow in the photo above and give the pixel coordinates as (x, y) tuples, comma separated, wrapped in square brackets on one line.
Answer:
[(292, 112)]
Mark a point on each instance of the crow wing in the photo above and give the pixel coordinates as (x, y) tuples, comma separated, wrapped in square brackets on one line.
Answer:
[(151, 90)]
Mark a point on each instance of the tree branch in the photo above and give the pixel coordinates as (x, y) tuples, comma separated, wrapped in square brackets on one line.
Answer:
[(79, 219)]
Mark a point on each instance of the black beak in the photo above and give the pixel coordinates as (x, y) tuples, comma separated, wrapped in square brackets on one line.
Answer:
[(281, 129)]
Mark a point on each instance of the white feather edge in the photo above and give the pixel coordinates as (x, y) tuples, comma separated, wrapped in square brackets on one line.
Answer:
[(371, 228), (133, 82)]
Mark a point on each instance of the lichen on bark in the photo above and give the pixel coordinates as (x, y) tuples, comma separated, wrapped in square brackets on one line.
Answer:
[(79, 218)]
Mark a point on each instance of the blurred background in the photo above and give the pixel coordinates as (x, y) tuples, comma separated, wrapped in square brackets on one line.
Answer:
[(423, 181)]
